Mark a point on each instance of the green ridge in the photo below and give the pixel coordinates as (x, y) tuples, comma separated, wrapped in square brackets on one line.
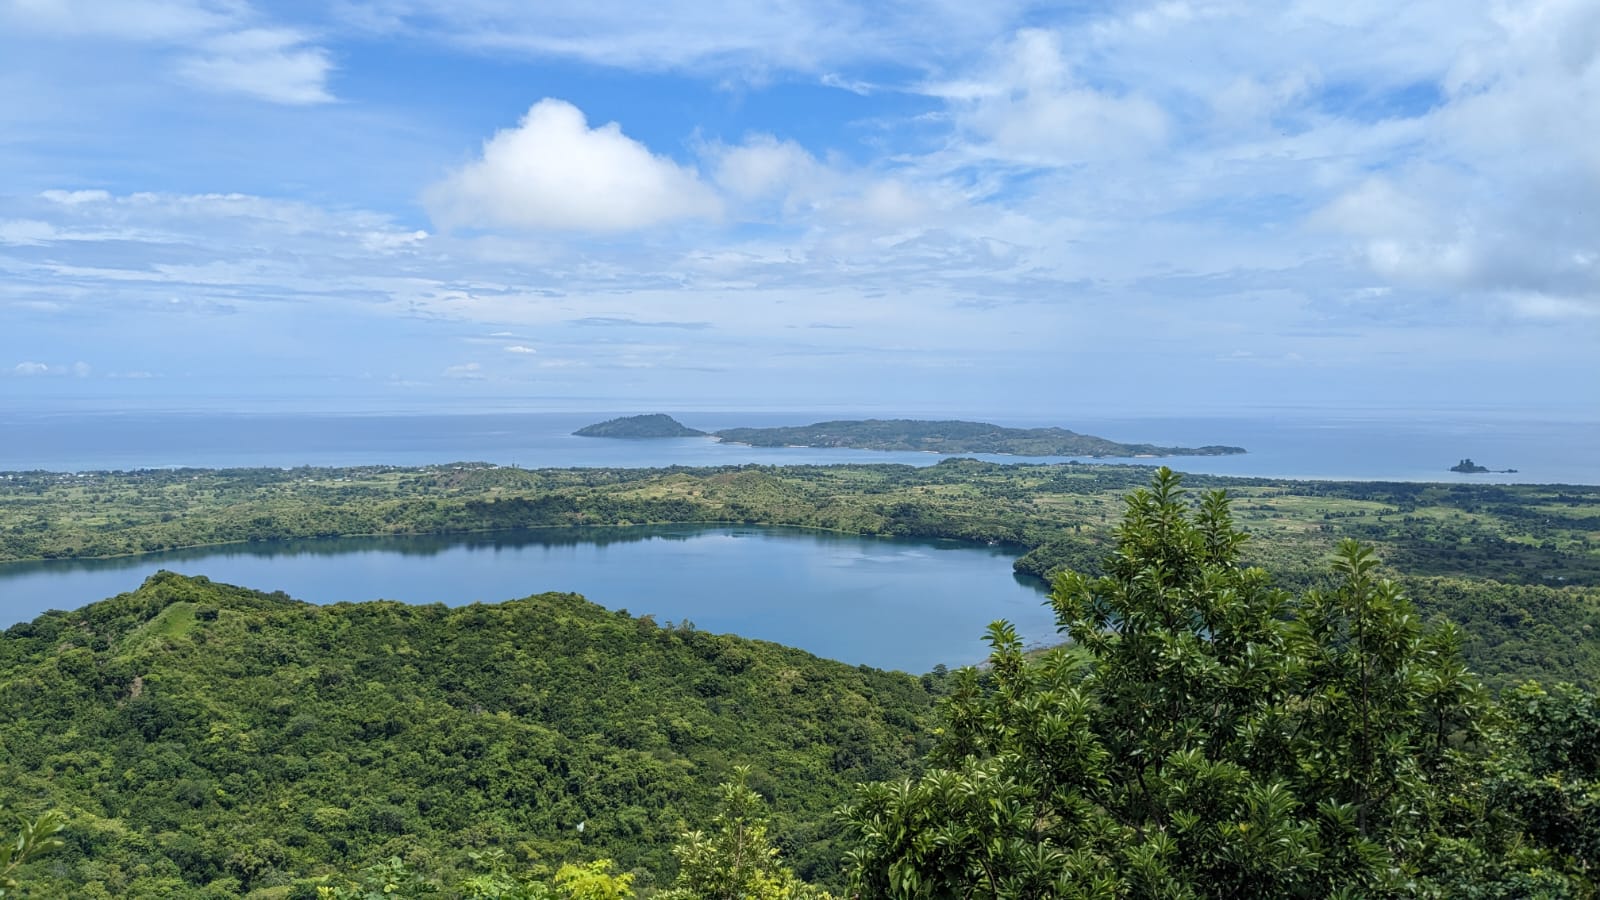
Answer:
[(655, 425), (200, 733)]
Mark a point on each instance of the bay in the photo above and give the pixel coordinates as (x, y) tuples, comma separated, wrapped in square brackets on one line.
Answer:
[(1294, 443), (885, 602)]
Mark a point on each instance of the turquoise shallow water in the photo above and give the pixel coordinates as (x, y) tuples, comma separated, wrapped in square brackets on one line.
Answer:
[(889, 603), (1298, 444)]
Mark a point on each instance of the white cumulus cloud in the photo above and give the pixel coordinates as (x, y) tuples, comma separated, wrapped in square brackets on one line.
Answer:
[(554, 172)]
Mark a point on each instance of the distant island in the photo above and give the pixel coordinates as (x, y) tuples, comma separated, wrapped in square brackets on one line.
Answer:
[(1468, 467), (655, 425), (903, 434), (953, 437)]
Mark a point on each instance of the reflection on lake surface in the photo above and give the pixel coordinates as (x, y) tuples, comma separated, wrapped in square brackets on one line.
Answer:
[(886, 602)]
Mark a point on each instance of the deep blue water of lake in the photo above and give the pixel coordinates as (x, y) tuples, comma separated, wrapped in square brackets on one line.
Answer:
[(1383, 446), (890, 603)]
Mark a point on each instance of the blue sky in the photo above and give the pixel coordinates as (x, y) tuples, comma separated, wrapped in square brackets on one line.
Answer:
[(1142, 207)]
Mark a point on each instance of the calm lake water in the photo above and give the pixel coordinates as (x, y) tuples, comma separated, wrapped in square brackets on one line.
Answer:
[(890, 603), (1294, 444)]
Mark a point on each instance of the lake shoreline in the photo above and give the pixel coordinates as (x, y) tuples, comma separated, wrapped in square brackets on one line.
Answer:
[(934, 596)]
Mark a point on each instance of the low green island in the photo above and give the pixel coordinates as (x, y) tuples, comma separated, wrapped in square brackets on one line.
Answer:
[(653, 425), (947, 436), (954, 436)]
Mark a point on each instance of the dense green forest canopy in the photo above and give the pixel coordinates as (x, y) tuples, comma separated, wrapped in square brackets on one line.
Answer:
[(200, 734), (653, 425), (952, 436), (1209, 733), (1518, 566)]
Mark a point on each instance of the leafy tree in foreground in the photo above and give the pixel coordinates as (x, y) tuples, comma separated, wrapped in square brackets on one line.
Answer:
[(34, 839), (1209, 735), (736, 860), (1553, 779)]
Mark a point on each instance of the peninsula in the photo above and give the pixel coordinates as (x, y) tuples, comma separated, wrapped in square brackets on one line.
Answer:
[(953, 437), (655, 425)]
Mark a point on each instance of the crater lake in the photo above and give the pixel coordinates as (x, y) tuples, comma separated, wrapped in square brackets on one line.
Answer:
[(892, 603)]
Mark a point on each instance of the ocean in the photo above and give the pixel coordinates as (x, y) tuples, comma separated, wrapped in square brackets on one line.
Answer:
[(1300, 444)]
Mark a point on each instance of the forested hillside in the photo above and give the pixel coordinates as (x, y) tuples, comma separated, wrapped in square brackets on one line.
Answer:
[(199, 734)]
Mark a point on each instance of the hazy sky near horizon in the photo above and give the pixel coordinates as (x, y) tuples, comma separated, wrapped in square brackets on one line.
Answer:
[(1139, 206)]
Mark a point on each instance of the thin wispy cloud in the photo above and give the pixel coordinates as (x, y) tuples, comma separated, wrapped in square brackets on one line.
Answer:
[(226, 47), (271, 64), (713, 37)]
